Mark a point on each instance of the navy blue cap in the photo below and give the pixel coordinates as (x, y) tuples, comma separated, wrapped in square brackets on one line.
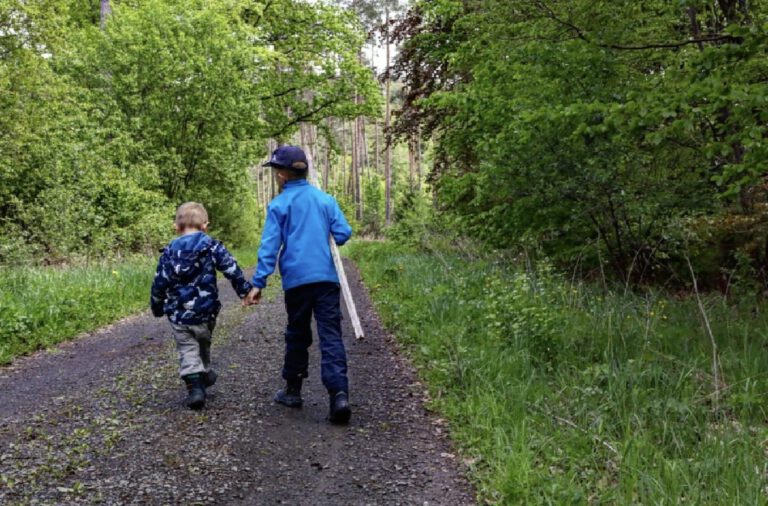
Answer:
[(288, 157)]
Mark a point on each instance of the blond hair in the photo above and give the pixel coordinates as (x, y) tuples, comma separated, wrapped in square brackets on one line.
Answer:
[(191, 215)]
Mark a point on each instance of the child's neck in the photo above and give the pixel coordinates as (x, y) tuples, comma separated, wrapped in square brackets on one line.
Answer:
[(189, 231)]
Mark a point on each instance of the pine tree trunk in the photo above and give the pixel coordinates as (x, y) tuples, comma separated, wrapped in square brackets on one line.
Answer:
[(271, 146), (362, 161), (355, 167), (351, 178), (388, 140), (327, 161), (343, 164), (364, 158)]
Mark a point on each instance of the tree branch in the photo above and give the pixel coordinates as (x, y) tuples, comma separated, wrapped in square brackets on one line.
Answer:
[(279, 94), (640, 47), (303, 117)]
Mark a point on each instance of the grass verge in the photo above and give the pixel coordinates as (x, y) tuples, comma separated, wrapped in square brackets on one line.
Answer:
[(43, 306), (561, 393)]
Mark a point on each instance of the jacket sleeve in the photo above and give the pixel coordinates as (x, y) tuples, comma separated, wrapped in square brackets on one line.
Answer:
[(340, 229), (159, 288), (271, 241), (226, 263)]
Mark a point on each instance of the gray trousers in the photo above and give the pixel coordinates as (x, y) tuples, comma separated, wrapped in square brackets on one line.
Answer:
[(193, 342)]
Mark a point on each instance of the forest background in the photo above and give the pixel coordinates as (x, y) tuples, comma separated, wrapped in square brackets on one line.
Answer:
[(603, 163)]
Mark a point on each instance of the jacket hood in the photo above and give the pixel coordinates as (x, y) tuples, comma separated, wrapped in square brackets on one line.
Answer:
[(194, 242), (185, 254)]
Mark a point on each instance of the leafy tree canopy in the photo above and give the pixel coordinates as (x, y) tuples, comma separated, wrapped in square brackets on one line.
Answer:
[(104, 131), (638, 127)]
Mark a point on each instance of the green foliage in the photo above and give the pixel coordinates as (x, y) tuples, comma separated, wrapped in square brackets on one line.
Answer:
[(43, 306), (104, 132), (53, 173), (373, 212), (594, 128), (176, 79), (561, 393), (413, 218), (40, 307)]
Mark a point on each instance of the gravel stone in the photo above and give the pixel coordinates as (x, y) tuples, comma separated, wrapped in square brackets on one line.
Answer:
[(101, 420)]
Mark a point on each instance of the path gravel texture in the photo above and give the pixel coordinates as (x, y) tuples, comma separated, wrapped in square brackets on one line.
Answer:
[(101, 420)]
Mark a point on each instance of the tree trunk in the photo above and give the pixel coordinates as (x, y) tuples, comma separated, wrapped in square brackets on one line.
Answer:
[(364, 157), (105, 11), (418, 160), (388, 140), (271, 146), (695, 28), (327, 160), (355, 167), (351, 178), (376, 163), (411, 160), (343, 164), (360, 166)]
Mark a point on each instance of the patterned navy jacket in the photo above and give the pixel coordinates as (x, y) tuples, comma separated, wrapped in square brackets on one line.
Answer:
[(185, 282)]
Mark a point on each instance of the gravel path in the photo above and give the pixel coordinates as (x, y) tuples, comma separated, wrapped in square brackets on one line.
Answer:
[(100, 420)]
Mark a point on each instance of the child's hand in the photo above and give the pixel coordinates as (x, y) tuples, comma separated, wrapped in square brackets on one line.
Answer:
[(253, 297)]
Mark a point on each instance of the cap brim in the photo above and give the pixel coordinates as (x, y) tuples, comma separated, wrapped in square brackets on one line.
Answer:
[(273, 165)]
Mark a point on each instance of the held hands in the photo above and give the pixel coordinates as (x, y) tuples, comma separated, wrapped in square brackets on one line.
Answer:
[(253, 297)]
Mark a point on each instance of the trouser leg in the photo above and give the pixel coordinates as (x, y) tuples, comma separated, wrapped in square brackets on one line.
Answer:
[(188, 348), (204, 336), (298, 333), (327, 309)]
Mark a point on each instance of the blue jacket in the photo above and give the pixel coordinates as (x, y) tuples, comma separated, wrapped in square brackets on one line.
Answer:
[(185, 282), (299, 223)]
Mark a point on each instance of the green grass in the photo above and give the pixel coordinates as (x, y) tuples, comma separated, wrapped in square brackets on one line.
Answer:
[(43, 306), (562, 394)]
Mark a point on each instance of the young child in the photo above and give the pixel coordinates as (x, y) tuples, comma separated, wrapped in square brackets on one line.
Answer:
[(298, 225), (185, 290)]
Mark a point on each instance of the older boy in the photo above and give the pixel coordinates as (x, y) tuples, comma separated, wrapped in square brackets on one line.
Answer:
[(185, 290), (298, 224)]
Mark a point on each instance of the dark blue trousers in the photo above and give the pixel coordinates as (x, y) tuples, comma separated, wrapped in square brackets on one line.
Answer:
[(323, 300)]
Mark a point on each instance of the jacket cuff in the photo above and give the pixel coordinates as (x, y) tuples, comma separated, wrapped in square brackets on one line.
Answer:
[(245, 289)]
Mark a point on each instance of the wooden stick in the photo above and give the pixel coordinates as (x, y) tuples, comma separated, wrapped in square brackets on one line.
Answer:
[(345, 291)]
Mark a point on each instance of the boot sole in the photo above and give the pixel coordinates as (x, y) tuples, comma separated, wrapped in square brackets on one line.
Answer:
[(341, 416), (196, 405), (291, 404)]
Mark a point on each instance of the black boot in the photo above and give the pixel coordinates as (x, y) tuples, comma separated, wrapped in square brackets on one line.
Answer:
[(340, 411), (195, 391), (290, 395), (209, 378)]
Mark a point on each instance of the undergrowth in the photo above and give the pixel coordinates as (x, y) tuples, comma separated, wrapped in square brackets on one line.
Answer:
[(563, 393), (43, 306)]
